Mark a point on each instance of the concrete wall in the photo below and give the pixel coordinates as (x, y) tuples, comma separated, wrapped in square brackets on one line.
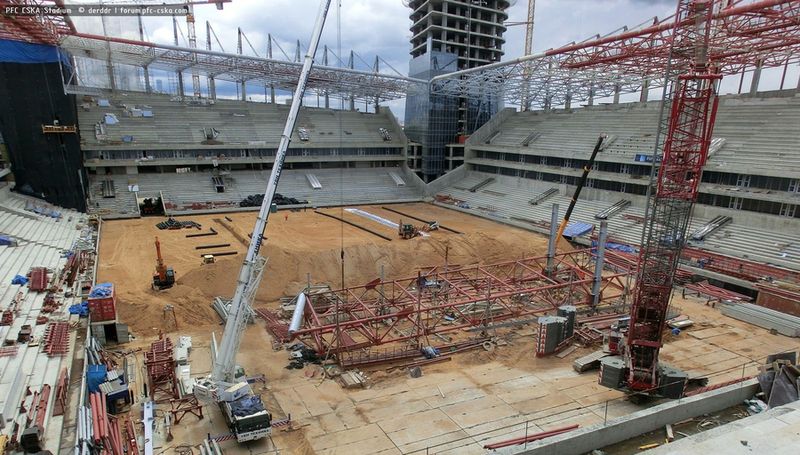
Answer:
[(449, 179), (585, 440)]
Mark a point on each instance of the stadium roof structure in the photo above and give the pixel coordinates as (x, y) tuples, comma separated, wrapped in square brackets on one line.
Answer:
[(39, 29), (334, 81), (746, 34)]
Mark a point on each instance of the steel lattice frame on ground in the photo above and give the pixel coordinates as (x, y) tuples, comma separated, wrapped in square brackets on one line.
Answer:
[(161, 371), (420, 309)]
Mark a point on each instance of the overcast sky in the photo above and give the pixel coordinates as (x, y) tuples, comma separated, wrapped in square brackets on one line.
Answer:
[(381, 27)]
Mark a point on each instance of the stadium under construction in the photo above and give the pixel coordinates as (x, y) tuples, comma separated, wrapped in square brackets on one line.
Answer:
[(589, 249)]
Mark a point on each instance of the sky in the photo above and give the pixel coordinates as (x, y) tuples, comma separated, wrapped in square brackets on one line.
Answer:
[(381, 27)]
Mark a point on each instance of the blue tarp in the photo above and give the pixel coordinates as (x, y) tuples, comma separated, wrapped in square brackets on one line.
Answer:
[(81, 309), (95, 375), (6, 240), (248, 404), (103, 103), (19, 279), (42, 210), (616, 246), (19, 52), (147, 113), (577, 229), (102, 290)]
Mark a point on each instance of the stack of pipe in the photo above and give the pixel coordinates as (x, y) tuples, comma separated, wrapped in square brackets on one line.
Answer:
[(105, 430)]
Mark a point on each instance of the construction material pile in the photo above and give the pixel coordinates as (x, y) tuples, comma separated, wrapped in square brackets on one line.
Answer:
[(172, 223), (772, 320), (780, 379), (255, 200)]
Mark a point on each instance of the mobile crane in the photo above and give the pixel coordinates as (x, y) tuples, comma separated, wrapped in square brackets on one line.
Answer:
[(227, 385)]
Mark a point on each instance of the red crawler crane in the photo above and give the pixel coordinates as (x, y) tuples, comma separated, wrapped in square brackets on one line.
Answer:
[(685, 149)]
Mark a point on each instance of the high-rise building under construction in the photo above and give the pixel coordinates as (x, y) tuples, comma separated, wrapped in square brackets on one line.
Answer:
[(447, 36)]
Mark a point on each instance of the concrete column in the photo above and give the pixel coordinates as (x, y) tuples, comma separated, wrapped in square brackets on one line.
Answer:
[(147, 87), (212, 88), (598, 265), (351, 65), (590, 102), (269, 55), (568, 101), (325, 63), (244, 90), (756, 77), (551, 244), (181, 91), (645, 91), (617, 89)]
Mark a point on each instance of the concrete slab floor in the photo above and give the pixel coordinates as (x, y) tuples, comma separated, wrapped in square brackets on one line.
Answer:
[(459, 406)]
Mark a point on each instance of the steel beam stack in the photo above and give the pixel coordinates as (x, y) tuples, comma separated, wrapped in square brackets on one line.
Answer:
[(783, 323)]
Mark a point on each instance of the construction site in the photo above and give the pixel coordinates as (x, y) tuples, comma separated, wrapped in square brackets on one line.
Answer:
[(593, 249)]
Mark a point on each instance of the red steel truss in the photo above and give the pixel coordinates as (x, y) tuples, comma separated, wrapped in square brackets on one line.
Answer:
[(441, 300), (24, 24), (747, 34), (161, 371)]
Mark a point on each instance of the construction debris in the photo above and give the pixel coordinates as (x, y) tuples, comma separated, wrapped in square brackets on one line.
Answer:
[(780, 379)]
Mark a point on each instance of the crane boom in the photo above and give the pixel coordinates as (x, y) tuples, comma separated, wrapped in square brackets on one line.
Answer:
[(225, 361)]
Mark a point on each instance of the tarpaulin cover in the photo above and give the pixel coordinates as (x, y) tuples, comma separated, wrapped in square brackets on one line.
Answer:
[(102, 290), (19, 279), (247, 405), (81, 309), (31, 207), (19, 52), (95, 375), (577, 229), (616, 246), (6, 240)]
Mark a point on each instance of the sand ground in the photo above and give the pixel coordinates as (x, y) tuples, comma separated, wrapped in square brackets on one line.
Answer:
[(455, 407)]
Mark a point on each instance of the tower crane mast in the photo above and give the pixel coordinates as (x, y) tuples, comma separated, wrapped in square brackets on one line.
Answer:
[(243, 411)]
